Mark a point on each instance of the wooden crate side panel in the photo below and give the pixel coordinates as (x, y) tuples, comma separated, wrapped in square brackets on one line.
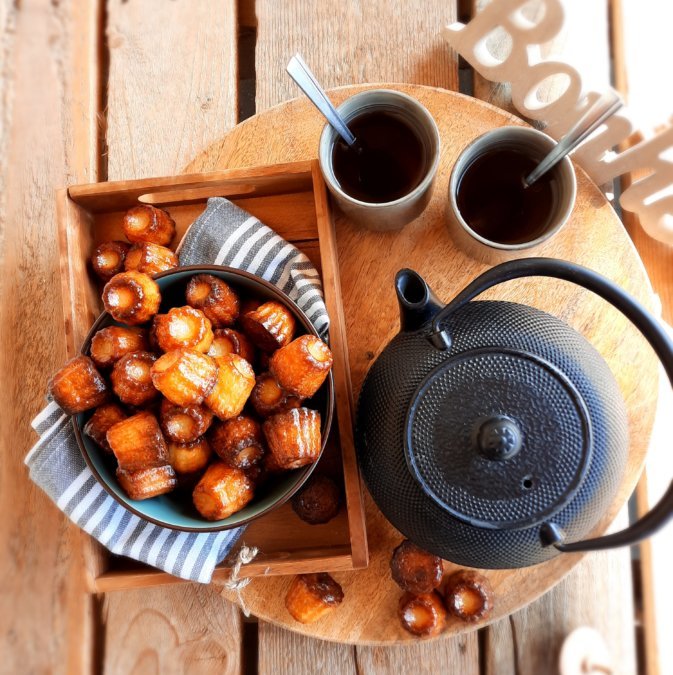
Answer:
[(288, 545), (305, 561), (80, 298), (344, 391), (258, 181)]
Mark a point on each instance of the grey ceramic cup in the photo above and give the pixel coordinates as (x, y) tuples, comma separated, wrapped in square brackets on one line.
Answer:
[(537, 145), (386, 215)]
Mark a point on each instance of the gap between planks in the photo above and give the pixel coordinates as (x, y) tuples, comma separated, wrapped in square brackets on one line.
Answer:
[(103, 53), (247, 41)]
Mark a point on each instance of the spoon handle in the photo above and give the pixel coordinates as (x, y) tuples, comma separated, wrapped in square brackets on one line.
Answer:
[(605, 106), (301, 74)]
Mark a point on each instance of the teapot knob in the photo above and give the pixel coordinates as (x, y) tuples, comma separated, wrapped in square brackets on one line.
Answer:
[(499, 438)]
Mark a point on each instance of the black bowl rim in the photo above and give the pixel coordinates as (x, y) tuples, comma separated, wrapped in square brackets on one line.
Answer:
[(308, 470)]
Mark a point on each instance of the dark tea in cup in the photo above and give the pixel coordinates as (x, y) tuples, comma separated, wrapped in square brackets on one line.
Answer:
[(492, 214), (386, 162), (495, 202), (385, 180)]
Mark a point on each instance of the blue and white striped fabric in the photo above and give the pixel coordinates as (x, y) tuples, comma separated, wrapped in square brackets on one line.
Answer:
[(222, 235), (227, 235)]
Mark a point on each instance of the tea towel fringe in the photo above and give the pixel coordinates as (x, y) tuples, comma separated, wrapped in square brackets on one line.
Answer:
[(245, 555)]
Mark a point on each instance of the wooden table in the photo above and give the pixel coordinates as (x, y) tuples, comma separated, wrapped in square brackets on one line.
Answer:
[(126, 89)]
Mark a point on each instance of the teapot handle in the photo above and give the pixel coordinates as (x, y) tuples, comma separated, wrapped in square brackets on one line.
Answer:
[(647, 324)]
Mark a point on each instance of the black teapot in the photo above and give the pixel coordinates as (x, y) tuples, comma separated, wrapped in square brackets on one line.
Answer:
[(491, 433)]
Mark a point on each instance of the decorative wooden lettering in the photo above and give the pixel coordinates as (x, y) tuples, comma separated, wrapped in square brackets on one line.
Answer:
[(651, 197)]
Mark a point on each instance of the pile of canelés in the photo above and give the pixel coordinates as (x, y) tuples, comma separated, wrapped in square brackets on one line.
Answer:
[(176, 396)]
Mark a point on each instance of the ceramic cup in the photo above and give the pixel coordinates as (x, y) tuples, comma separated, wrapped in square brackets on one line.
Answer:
[(395, 214), (523, 139)]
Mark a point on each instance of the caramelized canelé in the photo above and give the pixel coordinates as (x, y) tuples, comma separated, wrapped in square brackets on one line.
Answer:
[(230, 341), (215, 298), (311, 596), (188, 458), (131, 378), (104, 417), (317, 502), (468, 596), (183, 425), (269, 398), (78, 386), (150, 258), (302, 366), (109, 344), (270, 326), (423, 615), (131, 297), (235, 380), (145, 223), (109, 258), (185, 376), (137, 442), (147, 483), (293, 438), (414, 569), (222, 491), (238, 442), (183, 327)]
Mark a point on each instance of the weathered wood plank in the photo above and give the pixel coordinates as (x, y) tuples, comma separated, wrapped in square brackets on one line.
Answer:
[(171, 630), (282, 651), (172, 90), (351, 43), (47, 71), (457, 655), (172, 85), (530, 640), (638, 68)]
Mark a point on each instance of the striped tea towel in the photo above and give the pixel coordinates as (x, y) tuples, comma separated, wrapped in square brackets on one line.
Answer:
[(222, 235)]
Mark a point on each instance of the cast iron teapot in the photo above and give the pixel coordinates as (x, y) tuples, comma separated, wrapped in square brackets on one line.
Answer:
[(491, 433)]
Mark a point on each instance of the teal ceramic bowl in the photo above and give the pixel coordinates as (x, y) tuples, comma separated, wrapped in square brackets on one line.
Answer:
[(175, 510)]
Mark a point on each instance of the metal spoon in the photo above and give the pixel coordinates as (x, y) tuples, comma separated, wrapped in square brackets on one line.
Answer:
[(605, 106), (302, 75)]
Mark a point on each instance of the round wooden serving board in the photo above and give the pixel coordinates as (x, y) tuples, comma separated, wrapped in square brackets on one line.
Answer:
[(368, 262)]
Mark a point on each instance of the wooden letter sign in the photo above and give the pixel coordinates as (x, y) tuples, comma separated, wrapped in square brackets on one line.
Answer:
[(650, 197)]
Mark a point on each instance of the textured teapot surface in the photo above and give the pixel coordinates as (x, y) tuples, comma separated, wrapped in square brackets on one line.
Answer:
[(470, 451)]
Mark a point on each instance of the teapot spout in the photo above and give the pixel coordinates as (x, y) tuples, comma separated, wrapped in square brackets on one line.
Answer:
[(418, 304)]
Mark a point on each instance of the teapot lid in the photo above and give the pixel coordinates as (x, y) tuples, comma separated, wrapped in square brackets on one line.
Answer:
[(499, 438)]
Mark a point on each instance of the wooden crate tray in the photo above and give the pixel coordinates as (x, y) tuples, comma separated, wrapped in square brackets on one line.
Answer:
[(292, 200)]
